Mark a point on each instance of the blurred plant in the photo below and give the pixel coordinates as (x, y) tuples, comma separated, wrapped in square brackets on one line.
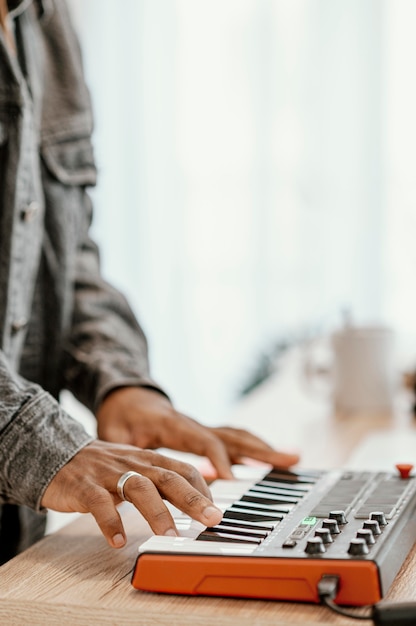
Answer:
[(268, 361)]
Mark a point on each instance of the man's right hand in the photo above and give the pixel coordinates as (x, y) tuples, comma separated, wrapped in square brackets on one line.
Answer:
[(88, 484)]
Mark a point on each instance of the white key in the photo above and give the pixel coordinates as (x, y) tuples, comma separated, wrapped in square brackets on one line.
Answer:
[(159, 543)]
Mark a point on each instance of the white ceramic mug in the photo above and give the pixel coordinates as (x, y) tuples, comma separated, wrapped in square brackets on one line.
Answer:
[(362, 374), (364, 377)]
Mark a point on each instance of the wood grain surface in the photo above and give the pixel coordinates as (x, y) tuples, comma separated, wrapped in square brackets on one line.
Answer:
[(72, 577)]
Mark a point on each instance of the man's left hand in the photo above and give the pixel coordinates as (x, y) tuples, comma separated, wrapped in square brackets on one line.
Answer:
[(145, 418)]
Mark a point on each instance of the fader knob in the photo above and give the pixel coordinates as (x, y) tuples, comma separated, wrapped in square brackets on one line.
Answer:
[(331, 525), (367, 535), (338, 516), (315, 545), (372, 525), (379, 517), (358, 547), (324, 534)]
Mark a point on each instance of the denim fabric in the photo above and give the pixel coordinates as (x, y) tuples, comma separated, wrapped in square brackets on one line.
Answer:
[(61, 324)]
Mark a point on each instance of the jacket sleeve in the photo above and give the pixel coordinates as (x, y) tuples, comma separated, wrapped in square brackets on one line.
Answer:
[(106, 347), (37, 438)]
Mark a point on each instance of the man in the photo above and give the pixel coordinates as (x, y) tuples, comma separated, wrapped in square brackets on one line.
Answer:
[(62, 326)]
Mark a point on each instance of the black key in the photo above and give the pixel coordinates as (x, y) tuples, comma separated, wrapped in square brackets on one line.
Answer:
[(284, 472), (251, 496), (275, 493), (251, 515), (223, 537), (235, 530), (266, 486), (288, 477), (281, 479), (243, 525), (259, 507)]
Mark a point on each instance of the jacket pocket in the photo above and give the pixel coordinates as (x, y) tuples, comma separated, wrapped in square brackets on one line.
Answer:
[(71, 161), (67, 170)]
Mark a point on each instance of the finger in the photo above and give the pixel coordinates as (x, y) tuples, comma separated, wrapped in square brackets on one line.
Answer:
[(241, 443), (207, 443), (102, 507), (189, 436), (142, 492), (189, 472), (220, 459), (272, 457), (276, 459), (115, 431), (181, 494)]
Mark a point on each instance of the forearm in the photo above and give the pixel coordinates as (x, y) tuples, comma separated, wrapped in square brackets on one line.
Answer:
[(36, 439), (106, 347)]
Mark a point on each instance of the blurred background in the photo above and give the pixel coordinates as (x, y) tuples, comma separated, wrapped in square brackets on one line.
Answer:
[(256, 176)]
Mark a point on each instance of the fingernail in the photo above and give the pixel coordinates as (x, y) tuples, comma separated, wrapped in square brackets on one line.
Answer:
[(212, 511), (118, 540), (171, 533)]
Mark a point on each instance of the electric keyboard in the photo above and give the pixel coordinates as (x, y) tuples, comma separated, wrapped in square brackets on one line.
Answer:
[(282, 531)]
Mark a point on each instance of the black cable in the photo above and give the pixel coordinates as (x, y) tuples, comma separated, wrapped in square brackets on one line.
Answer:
[(328, 589), (395, 614), (382, 614), (347, 613)]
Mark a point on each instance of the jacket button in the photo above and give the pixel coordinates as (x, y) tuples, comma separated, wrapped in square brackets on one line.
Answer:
[(19, 324), (29, 212)]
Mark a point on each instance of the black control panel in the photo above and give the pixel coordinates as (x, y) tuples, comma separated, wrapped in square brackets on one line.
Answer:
[(330, 515)]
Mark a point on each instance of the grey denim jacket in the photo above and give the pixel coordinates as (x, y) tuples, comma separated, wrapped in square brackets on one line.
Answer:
[(62, 326)]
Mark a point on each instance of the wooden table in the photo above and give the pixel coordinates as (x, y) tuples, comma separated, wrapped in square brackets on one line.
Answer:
[(73, 578)]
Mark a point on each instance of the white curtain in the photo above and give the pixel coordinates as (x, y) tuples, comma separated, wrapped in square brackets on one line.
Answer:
[(256, 174)]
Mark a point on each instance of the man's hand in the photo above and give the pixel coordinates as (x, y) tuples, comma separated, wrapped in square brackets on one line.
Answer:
[(88, 483), (145, 418)]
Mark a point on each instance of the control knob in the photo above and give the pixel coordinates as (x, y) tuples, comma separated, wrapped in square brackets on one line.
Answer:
[(324, 534), (331, 525), (315, 545), (358, 547), (372, 525), (404, 469), (338, 516), (379, 517), (367, 535)]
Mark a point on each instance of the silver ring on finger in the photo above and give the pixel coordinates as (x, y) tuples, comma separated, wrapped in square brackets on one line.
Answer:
[(122, 481)]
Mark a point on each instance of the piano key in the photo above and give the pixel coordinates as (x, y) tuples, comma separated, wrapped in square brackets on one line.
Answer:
[(237, 530), (226, 537), (288, 478), (271, 509), (274, 506), (228, 548), (275, 494), (249, 472), (221, 497), (270, 487), (250, 526), (185, 545), (311, 474), (251, 515), (231, 488), (224, 504), (251, 496)]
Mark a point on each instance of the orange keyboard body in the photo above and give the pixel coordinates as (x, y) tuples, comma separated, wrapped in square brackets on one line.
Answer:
[(273, 542)]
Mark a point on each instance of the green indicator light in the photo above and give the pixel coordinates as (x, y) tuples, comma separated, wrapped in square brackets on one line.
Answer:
[(310, 521)]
